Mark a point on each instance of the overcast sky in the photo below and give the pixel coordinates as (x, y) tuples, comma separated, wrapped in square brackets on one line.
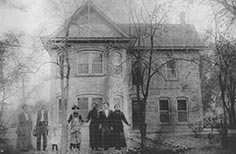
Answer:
[(36, 16)]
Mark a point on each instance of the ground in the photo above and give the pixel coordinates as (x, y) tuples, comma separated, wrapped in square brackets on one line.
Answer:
[(162, 144)]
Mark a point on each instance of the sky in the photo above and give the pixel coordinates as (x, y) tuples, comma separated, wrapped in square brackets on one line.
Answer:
[(36, 18)]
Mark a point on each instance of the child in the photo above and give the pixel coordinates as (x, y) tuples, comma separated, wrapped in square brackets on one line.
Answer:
[(75, 121), (54, 139)]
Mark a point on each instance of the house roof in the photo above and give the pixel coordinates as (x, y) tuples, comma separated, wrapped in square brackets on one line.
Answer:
[(88, 6), (166, 35)]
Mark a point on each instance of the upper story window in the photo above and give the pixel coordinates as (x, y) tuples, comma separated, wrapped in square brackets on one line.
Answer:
[(164, 110), (171, 70), (90, 62), (182, 110), (116, 61)]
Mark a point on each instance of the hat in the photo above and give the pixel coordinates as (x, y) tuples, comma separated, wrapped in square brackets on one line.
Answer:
[(75, 106)]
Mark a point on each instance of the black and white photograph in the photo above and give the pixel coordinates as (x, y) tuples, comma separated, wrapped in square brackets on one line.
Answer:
[(117, 77)]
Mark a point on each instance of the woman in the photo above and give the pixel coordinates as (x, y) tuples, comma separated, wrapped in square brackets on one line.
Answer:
[(118, 131), (75, 121), (24, 129), (94, 133), (105, 125)]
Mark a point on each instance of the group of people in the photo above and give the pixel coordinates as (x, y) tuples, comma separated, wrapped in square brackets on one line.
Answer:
[(25, 127), (105, 129)]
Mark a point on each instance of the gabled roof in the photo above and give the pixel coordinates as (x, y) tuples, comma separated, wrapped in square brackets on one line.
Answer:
[(60, 32), (167, 35)]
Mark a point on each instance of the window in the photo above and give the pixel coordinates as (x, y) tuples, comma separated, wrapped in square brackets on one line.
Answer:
[(97, 62), (171, 70), (116, 61), (164, 110), (90, 62), (137, 76), (135, 114), (83, 63), (118, 100), (182, 110), (60, 111), (85, 103)]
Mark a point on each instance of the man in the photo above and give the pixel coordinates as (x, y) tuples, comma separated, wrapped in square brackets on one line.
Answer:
[(105, 120), (42, 127)]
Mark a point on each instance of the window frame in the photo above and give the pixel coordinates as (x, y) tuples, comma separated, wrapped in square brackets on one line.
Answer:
[(167, 70), (187, 110), (169, 110), (116, 67), (120, 99), (90, 101), (58, 110), (90, 62)]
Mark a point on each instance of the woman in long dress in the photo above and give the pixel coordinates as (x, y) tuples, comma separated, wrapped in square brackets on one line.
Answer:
[(24, 129), (94, 133), (118, 130)]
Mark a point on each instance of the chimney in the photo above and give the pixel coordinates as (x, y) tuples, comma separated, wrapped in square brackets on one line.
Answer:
[(182, 18)]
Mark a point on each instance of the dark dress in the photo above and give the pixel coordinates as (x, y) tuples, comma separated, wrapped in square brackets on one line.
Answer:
[(94, 133), (118, 131), (106, 131), (24, 129)]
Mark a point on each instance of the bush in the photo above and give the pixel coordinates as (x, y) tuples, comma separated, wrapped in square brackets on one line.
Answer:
[(197, 128)]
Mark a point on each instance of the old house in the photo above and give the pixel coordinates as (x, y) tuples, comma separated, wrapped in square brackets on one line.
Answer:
[(101, 72)]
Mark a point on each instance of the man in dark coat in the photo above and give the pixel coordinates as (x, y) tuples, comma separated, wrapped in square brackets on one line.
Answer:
[(94, 134), (42, 127), (105, 120)]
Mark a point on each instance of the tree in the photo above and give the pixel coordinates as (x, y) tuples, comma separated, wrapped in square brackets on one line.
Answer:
[(10, 73), (62, 47), (147, 28)]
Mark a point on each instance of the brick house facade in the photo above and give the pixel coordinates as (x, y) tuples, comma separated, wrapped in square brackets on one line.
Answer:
[(101, 72)]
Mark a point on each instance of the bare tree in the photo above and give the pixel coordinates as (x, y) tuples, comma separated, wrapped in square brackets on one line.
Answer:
[(146, 63)]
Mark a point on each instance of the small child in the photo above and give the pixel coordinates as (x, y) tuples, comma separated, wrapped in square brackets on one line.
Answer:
[(54, 139)]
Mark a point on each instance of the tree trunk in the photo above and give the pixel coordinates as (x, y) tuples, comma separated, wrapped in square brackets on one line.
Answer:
[(232, 116), (224, 135), (2, 87), (143, 125)]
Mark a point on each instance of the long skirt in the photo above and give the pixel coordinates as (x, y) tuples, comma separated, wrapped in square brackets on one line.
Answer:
[(24, 138), (119, 137), (106, 137), (94, 135)]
